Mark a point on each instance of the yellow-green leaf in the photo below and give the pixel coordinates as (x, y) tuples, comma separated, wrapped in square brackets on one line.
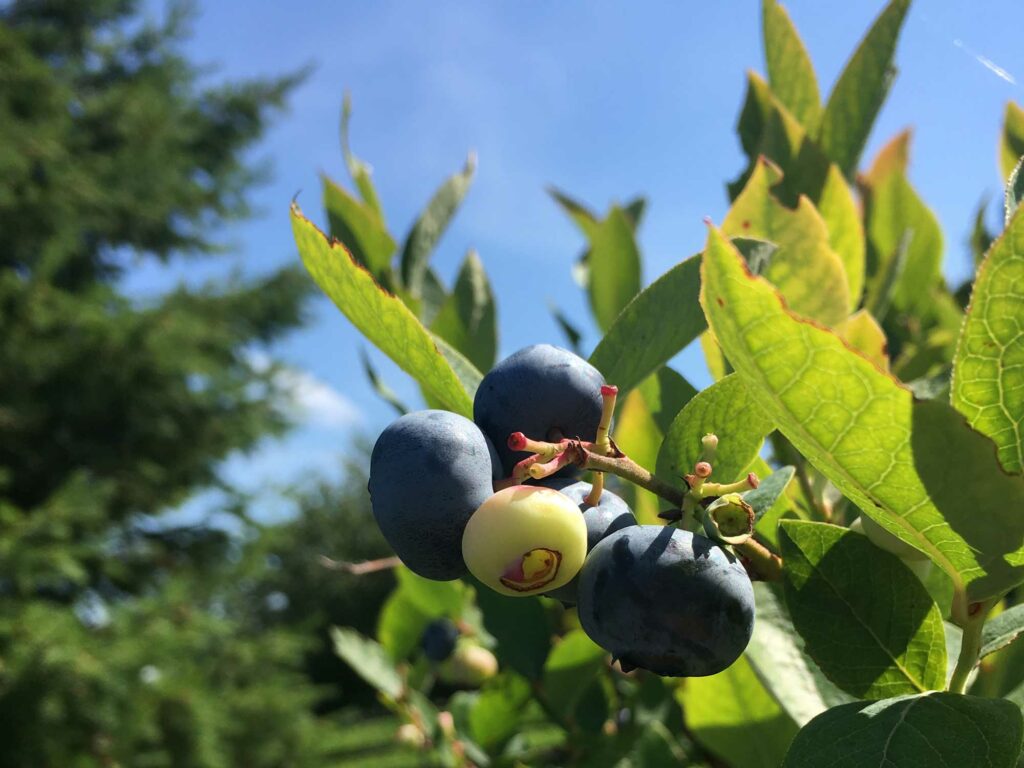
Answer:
[(866, 434), (862, 332), (379, 315), (988, 370), (359, 229), (1011, 144), (790, 71), (808, 273)]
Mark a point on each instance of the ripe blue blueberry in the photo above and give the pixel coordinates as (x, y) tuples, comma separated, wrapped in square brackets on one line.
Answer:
[(538, 390), (438, 640), (667, 601), (610, 515), (429, 471)]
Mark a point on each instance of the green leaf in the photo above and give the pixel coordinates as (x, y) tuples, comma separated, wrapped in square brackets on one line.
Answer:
[(498, 711), (988, 369), (466, 372), (862, 87), (369, 660), (790, 72), (614, 267), (733, 716), (808, 273), (841, 213), (359, 229), (466, 320), (430, 226), (582, 216), (572, 334), (895, 213), (1014, 190), (400, 625), (357, 169), (520, 627), (653, 327), (384, 392), (862, 332), (1002, 630), (436, 598), (866, 434), (1011, 143), (776, 654), (727, 410), (866, 619), (571, 666), (768, 492), (379, 315), (935, 729)]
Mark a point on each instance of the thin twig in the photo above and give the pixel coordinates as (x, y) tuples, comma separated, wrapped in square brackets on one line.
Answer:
[(359, 569)]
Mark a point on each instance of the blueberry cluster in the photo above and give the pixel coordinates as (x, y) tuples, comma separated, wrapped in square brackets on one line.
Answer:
[(655, 597)]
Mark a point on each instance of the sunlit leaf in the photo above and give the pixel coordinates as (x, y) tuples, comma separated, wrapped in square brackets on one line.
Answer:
[(360, 172), (988, 370), (862, 332), (614, 267), (1011, 143), (808, 273), (865, 618), (359, 229), (369, 660), (379, 315), (866, 434)]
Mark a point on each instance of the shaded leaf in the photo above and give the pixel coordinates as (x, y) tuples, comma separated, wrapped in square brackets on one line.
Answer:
[(430, 226), (861, 89), (497, 714), (865, 433), (572, 334), (466, 320), (1002, 630), (653, 328), (865, 618), (379, 315), (768, 492), (776, 654), (727, 410), (571, 666), (911, 731), (790, 72), (988, 369), (521, 629), (359, 229), (384, 392), (808, 273), (614, 267), (732, 715)]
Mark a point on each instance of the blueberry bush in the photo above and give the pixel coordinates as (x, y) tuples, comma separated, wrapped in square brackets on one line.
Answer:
[(814, 561)]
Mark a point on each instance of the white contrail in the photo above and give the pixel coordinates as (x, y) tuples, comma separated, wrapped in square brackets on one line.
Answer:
[(985, 62)]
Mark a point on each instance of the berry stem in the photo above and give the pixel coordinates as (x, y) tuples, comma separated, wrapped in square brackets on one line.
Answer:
[(970, 645)]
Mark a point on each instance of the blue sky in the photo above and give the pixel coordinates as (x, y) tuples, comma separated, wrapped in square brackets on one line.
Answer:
[(605, 100)]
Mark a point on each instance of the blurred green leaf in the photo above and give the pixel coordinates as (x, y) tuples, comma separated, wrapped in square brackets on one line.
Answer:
[(867, 435), (654, 748), (790, 72), (614, 267), (432, 297), (359, 229), (430, 226), (359, 171), (572, 334), (893, 212), (776, 654), (582, 216), (1011, 144), (572, 664), (653, 328), (911, 731), (808, 273), (1002, 630), (498, 712), (436, 598), (520, 627), (466, 320), (1014, 190), (384, 392), (733, 716), (861, 89), (865, 618), (368, 659), (725, 409), (400, 625), (988, 370), (380, 316)]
